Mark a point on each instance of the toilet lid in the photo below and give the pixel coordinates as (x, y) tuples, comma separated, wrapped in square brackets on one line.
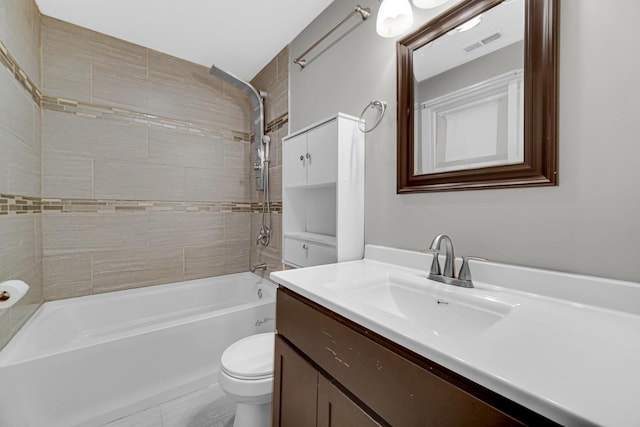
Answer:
[(250, 357)]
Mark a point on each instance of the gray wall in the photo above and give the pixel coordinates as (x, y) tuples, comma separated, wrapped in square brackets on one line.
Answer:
[(589, 224)]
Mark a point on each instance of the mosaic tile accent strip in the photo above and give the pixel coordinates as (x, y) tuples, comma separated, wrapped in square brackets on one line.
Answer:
[(96, 111), (12, 204), (277, 123), (276, 207), (16, 205), (99, 206), (12, 65)]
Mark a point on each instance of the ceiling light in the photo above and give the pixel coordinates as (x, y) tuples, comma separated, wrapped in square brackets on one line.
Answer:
[(469, 24), (395, 17), (428, 4)]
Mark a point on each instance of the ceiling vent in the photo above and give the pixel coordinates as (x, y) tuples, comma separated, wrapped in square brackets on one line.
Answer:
[(491, 38), (485, 41), (473, 47)]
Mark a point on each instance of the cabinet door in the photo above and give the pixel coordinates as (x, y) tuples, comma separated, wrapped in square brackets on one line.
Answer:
[(294, 161), (336, 409), (295, 389), (322, 146)]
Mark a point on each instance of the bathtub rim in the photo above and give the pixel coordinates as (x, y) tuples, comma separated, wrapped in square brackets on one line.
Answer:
[(7, 357)]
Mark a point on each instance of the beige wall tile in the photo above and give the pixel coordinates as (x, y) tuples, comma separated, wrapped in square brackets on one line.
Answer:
[(66, 276), (17, 110), (20, 32), (19, 249), (65, 233), (137, 181), (5, 326), (204, 261), (4, 166), (98, 138), (229, 112), (213, 185), (236, 157), (124, 269), (23, 168), (180, 229), (237, 225), (24, 308), (170, 147), (167, 67), (64, 175), (70, 52), (113, 87), (236, 259)]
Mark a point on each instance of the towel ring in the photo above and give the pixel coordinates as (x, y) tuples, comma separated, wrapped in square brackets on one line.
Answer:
[(380, 105)]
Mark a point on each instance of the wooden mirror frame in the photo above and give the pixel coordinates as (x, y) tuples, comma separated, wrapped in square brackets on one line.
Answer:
[(540, 166)]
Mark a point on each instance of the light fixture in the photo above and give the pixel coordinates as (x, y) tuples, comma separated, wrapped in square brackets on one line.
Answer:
[(394, 18), (471, 23), (428, 4)]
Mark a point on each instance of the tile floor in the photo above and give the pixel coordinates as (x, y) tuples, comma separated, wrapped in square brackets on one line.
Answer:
[(209, 407)]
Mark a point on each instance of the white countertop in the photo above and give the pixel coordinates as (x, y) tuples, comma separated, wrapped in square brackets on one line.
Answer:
[(569, 349)]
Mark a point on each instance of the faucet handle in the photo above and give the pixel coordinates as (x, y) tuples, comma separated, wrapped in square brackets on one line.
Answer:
[(465, 272), (435, 265)]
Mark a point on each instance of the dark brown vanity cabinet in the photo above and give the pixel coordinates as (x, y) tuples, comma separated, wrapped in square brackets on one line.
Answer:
[(330, 371)]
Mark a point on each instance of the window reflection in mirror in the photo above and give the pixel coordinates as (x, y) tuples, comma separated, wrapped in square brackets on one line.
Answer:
[(469, 94)]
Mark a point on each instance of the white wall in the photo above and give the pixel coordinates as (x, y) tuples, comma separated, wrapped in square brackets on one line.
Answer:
[(589, 224)]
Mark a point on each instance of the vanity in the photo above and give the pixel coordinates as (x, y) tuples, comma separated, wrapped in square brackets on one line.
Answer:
[(373, 342)]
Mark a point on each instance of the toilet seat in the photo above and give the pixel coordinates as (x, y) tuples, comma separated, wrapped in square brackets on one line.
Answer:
[(250, 358)]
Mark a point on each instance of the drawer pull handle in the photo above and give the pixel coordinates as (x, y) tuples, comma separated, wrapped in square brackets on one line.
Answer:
[(305, 246), (308, 156), (301, 158)]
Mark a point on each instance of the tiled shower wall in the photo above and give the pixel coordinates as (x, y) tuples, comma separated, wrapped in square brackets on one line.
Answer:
[(20, 189), (123, 167), (145, 162)]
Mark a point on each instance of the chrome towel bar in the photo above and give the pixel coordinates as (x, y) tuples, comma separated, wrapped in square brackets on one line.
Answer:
[(365, 12)]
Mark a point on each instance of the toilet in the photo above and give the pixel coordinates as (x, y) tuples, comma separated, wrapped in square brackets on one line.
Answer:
[(246, 376)]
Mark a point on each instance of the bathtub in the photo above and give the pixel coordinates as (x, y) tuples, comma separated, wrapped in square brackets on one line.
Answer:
[(89, 360)]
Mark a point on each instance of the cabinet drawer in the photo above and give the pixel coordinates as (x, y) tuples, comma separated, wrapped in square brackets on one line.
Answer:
[(304, 253), (397, 389)]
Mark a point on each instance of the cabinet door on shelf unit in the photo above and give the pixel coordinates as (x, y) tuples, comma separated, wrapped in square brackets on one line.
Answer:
[(322, 146), (294, 160), (305, 253)]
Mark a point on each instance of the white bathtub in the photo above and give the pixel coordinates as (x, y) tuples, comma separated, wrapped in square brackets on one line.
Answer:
[(86, 361)]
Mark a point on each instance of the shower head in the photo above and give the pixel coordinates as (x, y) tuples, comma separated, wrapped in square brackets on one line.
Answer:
[(255, 95)]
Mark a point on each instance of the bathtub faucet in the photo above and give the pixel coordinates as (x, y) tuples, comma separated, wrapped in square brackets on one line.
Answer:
[(261, 266)]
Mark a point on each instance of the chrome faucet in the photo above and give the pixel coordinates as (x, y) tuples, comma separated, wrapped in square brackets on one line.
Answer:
[(447, 275), (261, 266)]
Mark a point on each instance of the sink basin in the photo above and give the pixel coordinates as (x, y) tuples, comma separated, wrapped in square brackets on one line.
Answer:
[(429, 307)]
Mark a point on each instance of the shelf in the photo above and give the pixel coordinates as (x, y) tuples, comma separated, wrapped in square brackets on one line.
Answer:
[(312, 237), (310, 186)]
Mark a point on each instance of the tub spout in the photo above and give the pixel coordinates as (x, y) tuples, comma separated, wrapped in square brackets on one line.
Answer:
[(261, 266)]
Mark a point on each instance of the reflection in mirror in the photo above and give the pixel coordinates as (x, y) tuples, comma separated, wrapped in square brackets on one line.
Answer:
[(477, 98), (469, 93)]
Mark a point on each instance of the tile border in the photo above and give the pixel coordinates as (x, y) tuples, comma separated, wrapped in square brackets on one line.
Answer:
[(11, 204), (97, 111)]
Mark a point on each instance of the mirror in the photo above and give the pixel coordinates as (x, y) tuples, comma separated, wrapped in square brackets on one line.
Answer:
[(477, 98)]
